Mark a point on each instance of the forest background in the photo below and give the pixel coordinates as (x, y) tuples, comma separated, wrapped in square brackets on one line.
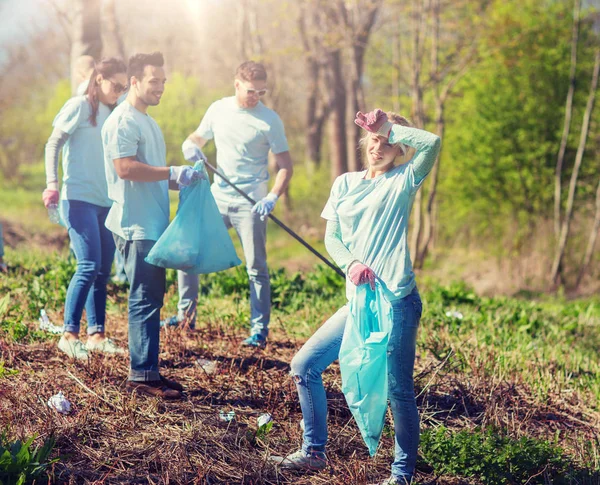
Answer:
[(513, 202)]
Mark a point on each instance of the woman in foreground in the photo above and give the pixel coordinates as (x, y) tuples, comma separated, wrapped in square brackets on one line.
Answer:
[(367, 236)]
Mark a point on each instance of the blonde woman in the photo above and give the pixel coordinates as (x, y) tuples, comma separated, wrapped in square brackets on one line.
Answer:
[(367, 235)]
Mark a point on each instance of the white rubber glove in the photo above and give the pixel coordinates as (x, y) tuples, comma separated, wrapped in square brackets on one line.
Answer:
[(184, 175), (192, 152)]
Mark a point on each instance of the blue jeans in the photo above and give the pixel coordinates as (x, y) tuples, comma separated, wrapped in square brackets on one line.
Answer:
[(147, 284), (94, 247), (324, 347), (253, 236)]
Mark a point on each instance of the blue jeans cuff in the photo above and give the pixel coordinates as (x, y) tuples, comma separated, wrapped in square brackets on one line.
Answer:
[(71, 327), (143, 375), (95, 329), (313, 450)]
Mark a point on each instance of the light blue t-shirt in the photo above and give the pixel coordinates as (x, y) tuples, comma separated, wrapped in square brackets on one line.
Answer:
[(82, 155), (243, 138), (140, 210), (373, 217)]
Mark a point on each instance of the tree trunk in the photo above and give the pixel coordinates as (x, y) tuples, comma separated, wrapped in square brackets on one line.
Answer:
[(337, 117), (87, 37), (114, 46), (589, 252), (566, 225), (567, 125), (418, 117)]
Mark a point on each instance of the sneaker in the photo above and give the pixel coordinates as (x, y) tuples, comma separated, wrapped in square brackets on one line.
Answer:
[(153, 389), (75, 349), (394, 481), (255, 340), (171, 384), (106, 346), (170, 322), (301, 461)]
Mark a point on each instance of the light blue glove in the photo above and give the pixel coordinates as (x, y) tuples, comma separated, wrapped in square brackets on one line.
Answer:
[(184, 175), (192, 152), (265, 206)]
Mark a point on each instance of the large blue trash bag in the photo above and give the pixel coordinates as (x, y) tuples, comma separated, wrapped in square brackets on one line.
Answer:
[(197, 240), (363, 361)]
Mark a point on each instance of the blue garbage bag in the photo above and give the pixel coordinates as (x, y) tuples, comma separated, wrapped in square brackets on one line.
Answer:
[(363, 361), (197, 240)]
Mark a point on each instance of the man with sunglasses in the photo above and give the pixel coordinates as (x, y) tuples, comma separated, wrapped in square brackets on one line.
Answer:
[(244, 130)]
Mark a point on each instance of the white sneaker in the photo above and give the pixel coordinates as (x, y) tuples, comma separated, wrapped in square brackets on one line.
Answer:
[(300, 461), (106, 346), (75, 349)]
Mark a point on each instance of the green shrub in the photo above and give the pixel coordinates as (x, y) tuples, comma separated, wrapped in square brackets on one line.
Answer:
[(491, 456), (20, 464)]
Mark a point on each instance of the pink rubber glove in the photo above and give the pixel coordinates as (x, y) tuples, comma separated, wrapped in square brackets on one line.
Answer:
[(375, 121), (360, 274), (50, 196)]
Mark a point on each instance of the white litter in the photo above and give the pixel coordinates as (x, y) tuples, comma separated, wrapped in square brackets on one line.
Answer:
[(47, 326), (60, 403), (264, 419), (454, 314), (209, 366), (302, 424), (227, 416)]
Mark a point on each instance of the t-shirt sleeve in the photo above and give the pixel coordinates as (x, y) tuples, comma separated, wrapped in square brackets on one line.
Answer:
[(71, 115), (205, 130), (122, 140), (330, 211), (276, 136)]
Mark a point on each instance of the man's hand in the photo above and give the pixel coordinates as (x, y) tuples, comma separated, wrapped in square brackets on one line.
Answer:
[(192, 152), (184, 175), (265, 206)]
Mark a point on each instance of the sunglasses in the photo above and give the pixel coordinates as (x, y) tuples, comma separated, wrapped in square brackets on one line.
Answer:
[(259, 93), (118, 88)]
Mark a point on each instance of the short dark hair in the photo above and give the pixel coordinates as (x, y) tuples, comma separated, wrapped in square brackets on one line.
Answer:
[(137, 62), (251, 71)]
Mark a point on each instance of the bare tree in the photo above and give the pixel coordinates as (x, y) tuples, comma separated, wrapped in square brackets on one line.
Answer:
[(359, 21), (566, 224), (113, 40), (567, 125), (86, 33), (589, 252)]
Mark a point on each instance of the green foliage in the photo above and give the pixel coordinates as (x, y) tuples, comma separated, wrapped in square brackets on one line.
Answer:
[(19, 463), (492, 456), (180, 111), (504, 128)]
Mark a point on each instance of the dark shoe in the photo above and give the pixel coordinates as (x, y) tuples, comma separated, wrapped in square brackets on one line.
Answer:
[(171, 384), (153, 389)]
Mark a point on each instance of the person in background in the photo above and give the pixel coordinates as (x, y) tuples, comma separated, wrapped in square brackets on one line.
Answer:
[(244, 130), (138, 182), (84, 204), (367, 227)]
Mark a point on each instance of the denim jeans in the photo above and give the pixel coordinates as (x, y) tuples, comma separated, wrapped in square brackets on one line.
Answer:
[(324, 347), (147, 284), (253, 236), (94, 248), (119, 268)]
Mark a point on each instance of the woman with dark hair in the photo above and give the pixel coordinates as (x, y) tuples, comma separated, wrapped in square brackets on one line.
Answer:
[(84, 203)]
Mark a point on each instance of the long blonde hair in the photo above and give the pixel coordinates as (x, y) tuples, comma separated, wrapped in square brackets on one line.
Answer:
[(397, 120)]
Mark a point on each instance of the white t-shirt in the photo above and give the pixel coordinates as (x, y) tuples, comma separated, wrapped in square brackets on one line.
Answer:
[(140, 210), (243, 138)]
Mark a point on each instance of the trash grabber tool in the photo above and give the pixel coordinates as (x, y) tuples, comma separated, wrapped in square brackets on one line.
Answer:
[(279, 223)]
